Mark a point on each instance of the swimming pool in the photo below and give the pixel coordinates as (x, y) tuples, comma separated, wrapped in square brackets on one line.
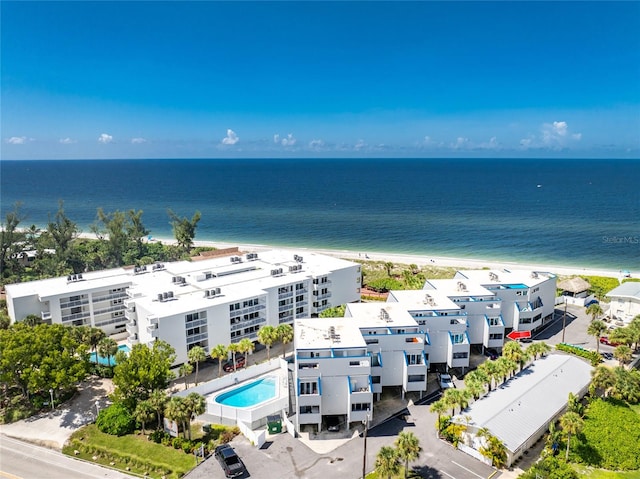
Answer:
[(94, 358), (250, 394)]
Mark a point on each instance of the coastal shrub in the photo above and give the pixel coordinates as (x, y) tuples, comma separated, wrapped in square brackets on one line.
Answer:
[(601, 285), (592, 356), (384, 285), (158, 436), (631, 280), (610, 437), (116, 420), (550, 467)]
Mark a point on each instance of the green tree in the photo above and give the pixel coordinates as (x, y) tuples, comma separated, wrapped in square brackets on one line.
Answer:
[(184, 229), (596, 328), (602, 379), (145, 369), (474, 387), (233, 348), (389, 267), (456, 398), (184, 371), (537, 349), (493, 371), (196, 355), (408, 447), (626, 385), (513, 352), (32, 320), (478, 376), (245, 346), (267, 336), (285, 335), (144, 413), (623, 354), (621, 336), (9, 239), (594, 310), (574, 405), (439, 407), (387, 462), (335, 312), (107, 348), (93, 337), (571, 423), (115, 420), (158, 401), (219, 352), (494, 449), (62, 231), (195, 405), (177, 410)]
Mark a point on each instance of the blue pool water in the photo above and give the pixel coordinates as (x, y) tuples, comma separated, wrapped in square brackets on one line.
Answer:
[(516, 286), (250, 394), (94, 358)]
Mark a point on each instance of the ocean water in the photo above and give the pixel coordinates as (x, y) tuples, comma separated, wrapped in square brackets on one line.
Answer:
[(565, 212)]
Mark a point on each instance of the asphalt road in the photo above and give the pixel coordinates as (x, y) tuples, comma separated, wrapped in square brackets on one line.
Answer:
[(21, 460)]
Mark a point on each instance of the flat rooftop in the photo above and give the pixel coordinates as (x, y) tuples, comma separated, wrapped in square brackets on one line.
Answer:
[(379, 315), (453, 288), (487, 277), (424, 300), (326, 333)]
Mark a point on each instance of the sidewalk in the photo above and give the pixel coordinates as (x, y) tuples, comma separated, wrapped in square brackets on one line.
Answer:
[(52, 429)]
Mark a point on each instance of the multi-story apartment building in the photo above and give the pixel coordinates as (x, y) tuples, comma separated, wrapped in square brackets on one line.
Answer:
[(208, 302), (341, 364), (527, 298)]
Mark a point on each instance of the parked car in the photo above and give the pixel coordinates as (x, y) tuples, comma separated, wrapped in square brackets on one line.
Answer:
[(333, 423), (240, 362), (491, 353), (608, 356), (229, 460), (605, 340), (593, 301), (445, 381)]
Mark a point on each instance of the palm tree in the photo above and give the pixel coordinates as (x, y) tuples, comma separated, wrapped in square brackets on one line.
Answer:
[(285, 335), (267, 336), (389, 267), (195, 405), (107, 348), (32, 320), (195, 355), (94, 336), (602, 378), (492, 370), (387, 462), (456, 397), (408, 448), (634, 329), (184, 371), (220, 352), (245, 346), (623, 354), (594, 310), (571, 423), (233, 348), (513, 352), (176, 410), (158, 400), (478, 376), (439, 407), (621, 336), (596, 328), (626, 386), (144, 413), (494, 449), (504, 367), (475, 387), (538, 349)]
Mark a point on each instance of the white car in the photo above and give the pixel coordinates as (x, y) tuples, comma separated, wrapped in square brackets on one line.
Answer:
[(445, 381)]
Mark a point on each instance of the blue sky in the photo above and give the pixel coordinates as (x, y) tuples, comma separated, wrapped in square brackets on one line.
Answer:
[(312, 79)]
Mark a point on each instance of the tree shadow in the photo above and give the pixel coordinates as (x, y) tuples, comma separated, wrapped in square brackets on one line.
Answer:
[(425, 472)]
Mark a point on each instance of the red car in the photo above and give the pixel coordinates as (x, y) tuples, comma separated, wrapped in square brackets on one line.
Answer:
[(605, 340), (228, 366)]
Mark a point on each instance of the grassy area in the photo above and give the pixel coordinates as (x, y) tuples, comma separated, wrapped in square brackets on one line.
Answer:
[(591, 473), (133, 451)]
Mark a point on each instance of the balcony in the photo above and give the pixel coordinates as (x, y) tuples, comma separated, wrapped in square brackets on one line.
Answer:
[(132, 327), (286, 295), (46, 315), (321, 296), (285, 307), (133, 339)]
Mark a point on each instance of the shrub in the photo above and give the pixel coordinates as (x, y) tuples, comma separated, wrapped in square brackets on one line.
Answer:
[(550, 467), (384, 285), (601, 285), (176, 442), (158, 436), (116, 420), (592, 356)]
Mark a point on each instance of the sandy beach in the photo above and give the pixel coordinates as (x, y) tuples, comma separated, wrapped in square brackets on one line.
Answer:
[(420, 260)]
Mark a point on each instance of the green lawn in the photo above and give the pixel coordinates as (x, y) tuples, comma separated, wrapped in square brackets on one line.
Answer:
[(134, 451), (591, 473)]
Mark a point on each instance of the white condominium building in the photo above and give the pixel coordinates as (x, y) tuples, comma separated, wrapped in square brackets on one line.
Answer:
[(341, 363), (208, 302), (527, 298)]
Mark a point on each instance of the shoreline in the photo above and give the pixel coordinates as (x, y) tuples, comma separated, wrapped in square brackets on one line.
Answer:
[(418, 259)]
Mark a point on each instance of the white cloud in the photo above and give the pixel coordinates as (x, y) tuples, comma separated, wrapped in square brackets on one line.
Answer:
[(138, 140), (67, 141), (360, 145), (557, 134), (231, 138), (316, 144), (289, 140), (460, 143), (526, 143), (17, 140), (577, 136), (276, 138), (105, 138)]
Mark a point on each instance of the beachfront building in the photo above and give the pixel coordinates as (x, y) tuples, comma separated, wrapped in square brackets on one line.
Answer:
[(207, 302), (343, 364), (625, 303), (519, 412), (526, 298)]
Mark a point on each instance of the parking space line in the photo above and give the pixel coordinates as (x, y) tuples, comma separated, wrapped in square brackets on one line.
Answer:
[(468, 470), (446, 474)]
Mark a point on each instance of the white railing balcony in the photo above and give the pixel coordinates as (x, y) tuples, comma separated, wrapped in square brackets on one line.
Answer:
[(132, 327), (286, 295), (152, 327), (322, 296), (285, 307), (46, 315)]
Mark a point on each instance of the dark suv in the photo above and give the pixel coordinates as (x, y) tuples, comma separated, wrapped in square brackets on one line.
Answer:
[(229, 460)]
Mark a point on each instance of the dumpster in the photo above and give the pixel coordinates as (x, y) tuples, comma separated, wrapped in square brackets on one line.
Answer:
[(274, 424)]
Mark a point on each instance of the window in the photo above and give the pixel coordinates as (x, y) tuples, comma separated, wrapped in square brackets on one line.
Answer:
[(74, 298), (375, 379), (299, 298), (234, 307), (494, 322), (457, 338), (250, 302), (300, 310), (307, 388), (415, 378), (375, 360), (354, 363), (116, 301), (76, 310), (195, 316), (371, 341), (117, 314), (413, 359), (525, 320), (235, 334), (495, 336), (362, 406), (309, 409), (308, 365), (299, 286), (460, 355)]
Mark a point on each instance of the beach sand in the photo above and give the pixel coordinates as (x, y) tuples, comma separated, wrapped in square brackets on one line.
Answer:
[(420, 260)]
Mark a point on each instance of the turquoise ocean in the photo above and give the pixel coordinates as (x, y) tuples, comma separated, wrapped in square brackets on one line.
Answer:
[(583, 213)]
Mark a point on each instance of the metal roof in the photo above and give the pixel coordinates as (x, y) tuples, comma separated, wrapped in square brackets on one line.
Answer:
[(630, 289), (524, 404)]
